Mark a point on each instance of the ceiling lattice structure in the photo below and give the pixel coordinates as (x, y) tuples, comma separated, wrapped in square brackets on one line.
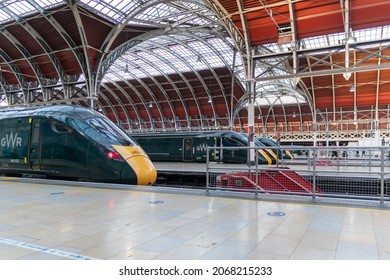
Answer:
[(184, 65)]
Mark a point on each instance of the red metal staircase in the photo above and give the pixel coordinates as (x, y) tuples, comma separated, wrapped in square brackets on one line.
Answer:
[(282, 180)]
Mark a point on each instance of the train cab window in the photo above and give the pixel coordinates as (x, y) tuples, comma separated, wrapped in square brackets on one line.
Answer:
[(267, 141), (239, 139), (230, 142), (60, 128), (106, 132)]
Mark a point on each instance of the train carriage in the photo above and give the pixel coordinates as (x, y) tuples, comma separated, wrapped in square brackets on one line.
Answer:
[(276, 148), (192, 147), (64, 141)]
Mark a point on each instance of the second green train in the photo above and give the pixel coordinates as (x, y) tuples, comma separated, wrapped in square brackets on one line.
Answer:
[(225, 146)]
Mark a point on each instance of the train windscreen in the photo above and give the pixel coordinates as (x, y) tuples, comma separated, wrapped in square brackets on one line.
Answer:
[(240, 138), (104, 131), (257, 142), (268, 142)]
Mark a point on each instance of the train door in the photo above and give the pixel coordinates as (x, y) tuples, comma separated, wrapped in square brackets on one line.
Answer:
[(35, 158), (187, 149), (218, 151)]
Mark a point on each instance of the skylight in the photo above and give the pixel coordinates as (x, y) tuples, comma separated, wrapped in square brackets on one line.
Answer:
[(174, 53), (189, 51), (11, 9)]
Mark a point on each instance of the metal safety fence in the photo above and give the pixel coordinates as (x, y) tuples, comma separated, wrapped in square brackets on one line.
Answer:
[(319, 173)]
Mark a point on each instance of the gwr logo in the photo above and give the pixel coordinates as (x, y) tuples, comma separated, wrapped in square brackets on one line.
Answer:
[(11, 140), (201, 148)]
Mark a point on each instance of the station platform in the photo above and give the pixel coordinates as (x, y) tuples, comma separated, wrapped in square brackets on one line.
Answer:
[(47, 219)]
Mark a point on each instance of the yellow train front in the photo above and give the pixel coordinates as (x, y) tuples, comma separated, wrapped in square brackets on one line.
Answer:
[(70, 142)]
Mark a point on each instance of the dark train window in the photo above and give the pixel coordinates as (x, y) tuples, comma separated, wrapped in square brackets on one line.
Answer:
[(60, 128), (109, 133), (230, 142), (267, 141), (243, 140)]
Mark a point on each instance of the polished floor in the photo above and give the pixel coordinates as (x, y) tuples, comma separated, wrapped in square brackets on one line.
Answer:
[(57, 221)]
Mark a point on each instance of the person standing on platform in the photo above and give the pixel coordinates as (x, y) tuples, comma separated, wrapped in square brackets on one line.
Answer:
[(334, 152)]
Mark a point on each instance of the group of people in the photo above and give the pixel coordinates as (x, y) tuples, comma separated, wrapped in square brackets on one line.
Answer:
[(336, 153)]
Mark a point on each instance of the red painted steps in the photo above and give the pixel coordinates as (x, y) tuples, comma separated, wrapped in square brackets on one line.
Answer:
[(282, 180)]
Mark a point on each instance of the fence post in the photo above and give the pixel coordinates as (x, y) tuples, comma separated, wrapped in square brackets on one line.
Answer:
[(257, 174), (207, 170), (314, 174), (382, 191)]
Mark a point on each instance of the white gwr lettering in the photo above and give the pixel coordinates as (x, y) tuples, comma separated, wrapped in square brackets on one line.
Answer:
[(201, 148), (11, 140)]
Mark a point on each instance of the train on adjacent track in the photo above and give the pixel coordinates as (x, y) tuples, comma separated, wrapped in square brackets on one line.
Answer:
[(227, 146), (70, 142), (281, 152)]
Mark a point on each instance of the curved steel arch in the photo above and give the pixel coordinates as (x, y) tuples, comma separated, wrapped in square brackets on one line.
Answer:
[(163, 90), (168, 37), (205, 42), (62, 32), (44, 83), (183, 78), (34, 66), (111, 38), (103, 64), (284, 86), (111, 105), (4, 83), (189, 65), (305, 93), (57, 65), (102, 68), (199, 76), (146, 87), (15, 69), (230, 27), (158, 85), (114, 55), (122, 49), (139, 95), (131, 102), (108, 89), (89, 81)]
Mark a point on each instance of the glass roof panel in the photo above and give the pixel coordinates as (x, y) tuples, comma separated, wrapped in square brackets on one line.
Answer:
[(365, 35), (315, 42), (49, 3), (164, 13), (386, 31), (175, 53), (4, 16), (23, 8), (186, 53), (113, 10), (275, 99)]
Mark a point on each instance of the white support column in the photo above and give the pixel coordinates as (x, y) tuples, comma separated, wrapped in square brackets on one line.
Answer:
[(251, 111)]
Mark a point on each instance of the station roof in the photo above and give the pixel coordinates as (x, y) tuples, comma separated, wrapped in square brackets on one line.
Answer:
[(155, 65)]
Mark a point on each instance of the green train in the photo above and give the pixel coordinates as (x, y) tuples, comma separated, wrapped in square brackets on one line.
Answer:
[(192, 147), (70, 142), (276, 148)]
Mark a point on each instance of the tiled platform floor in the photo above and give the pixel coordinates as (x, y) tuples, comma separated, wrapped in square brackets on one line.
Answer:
[(46, 222)]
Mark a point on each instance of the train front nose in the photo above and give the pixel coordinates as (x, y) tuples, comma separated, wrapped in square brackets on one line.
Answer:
[(137, 164), (143, 168)]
